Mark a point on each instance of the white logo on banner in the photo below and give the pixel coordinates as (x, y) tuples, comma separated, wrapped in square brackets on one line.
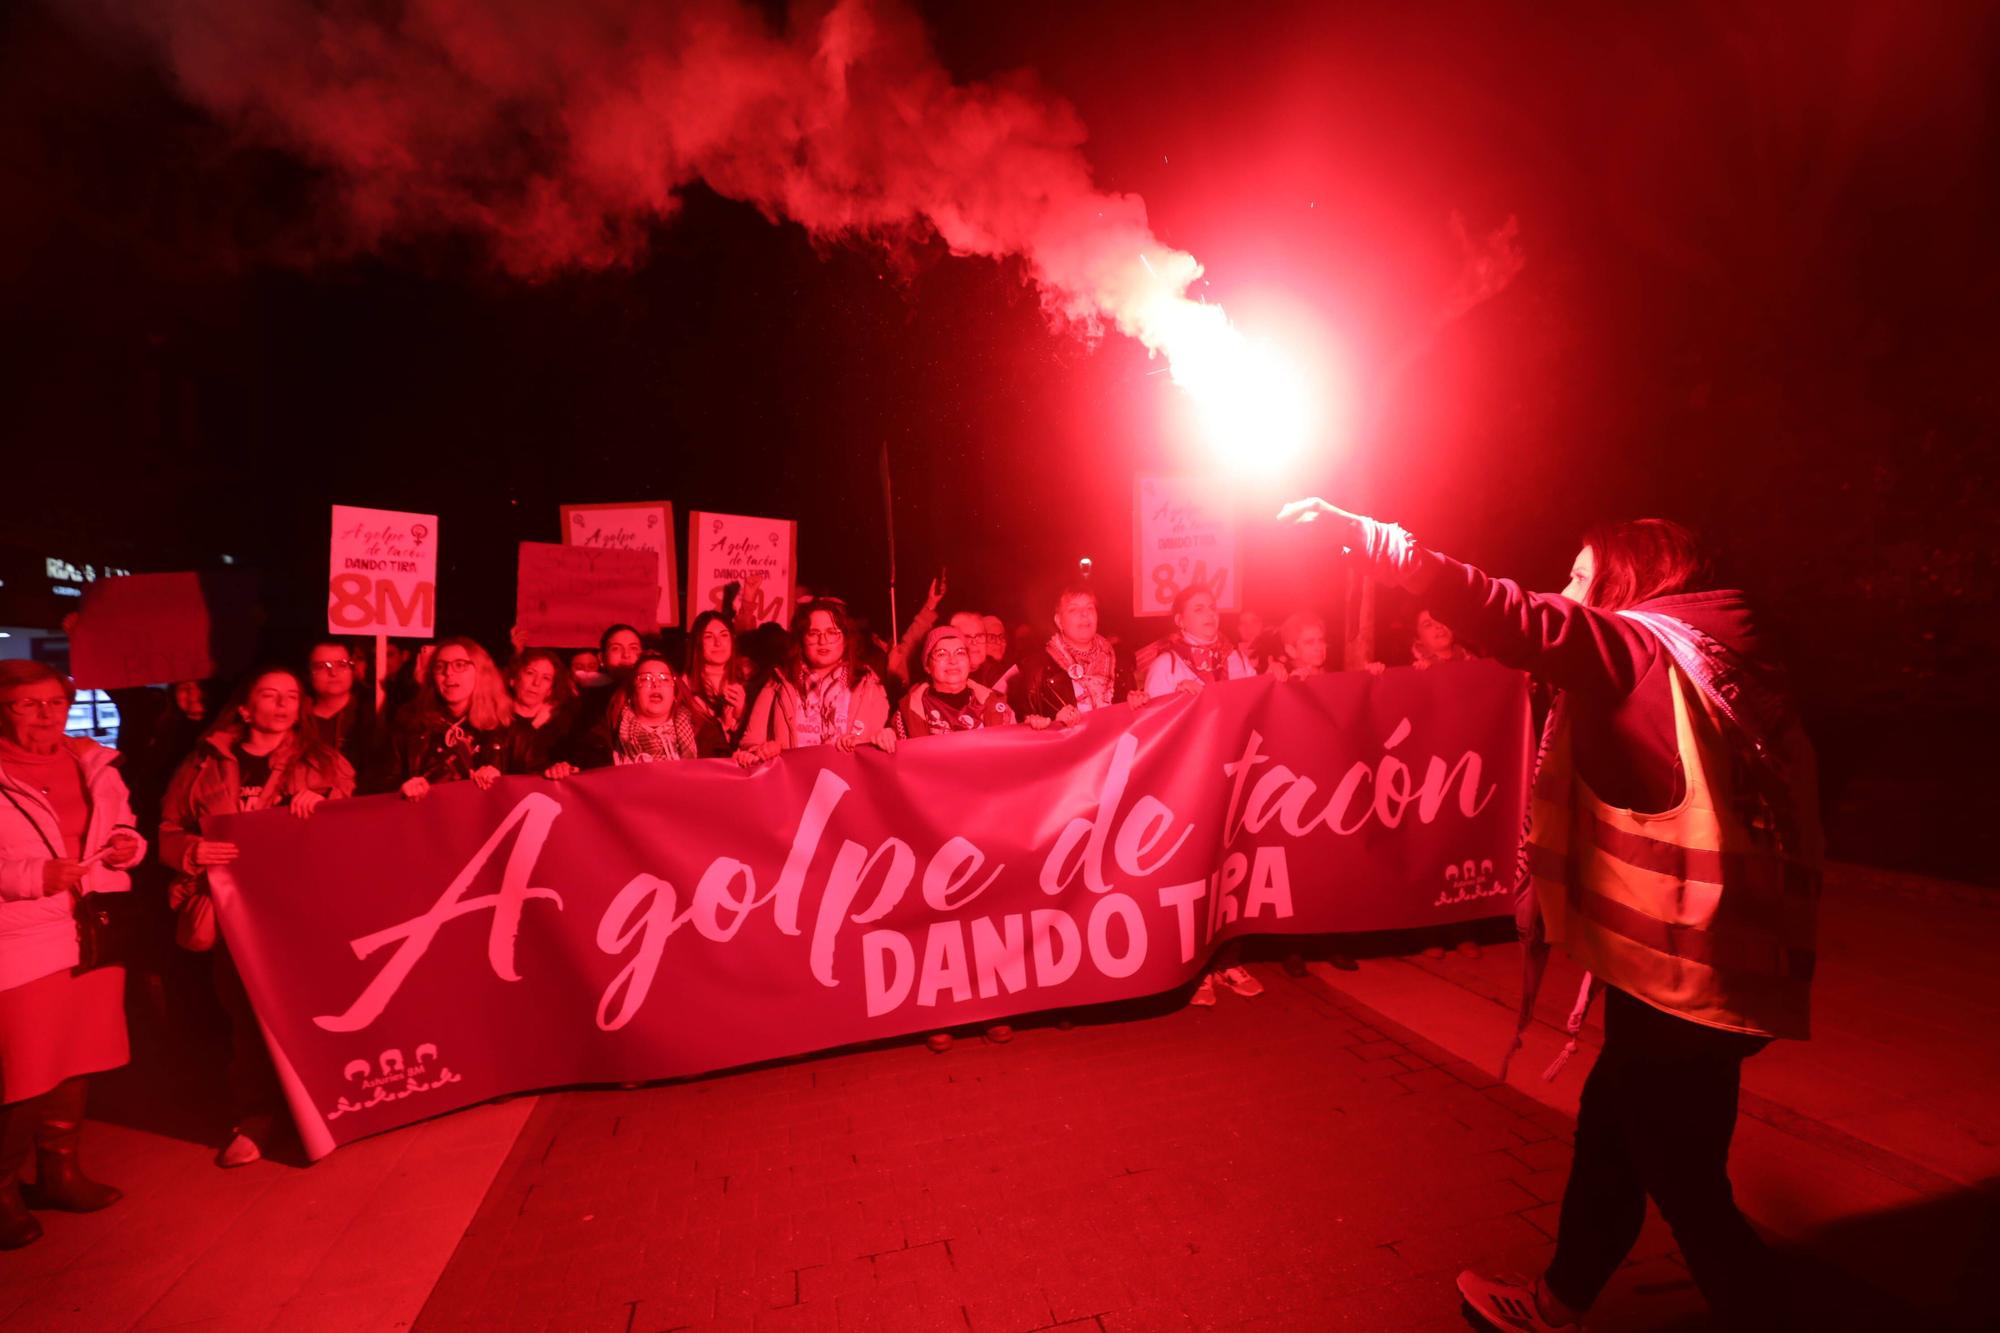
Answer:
[(391, 1078)]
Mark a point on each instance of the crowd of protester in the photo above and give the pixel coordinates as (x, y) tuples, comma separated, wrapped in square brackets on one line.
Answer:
[(293, 735), (1666, 701)]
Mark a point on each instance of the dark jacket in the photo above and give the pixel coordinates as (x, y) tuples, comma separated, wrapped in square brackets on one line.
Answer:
[(712, 739), (354, 730), (1613, 671), (1046, 688), (424, 743), (530, 748)]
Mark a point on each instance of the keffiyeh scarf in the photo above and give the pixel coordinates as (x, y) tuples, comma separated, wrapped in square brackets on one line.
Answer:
[(642, 742), (824, 706), (1091, 671)]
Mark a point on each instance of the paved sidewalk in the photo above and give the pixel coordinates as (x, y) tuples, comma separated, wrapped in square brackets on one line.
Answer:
[(1302, 1161), (1276, 1163)]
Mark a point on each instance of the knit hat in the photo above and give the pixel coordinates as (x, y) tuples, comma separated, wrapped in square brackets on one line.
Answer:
[(938, 636)]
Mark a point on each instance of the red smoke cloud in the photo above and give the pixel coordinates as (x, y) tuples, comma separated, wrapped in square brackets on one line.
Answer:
[(556, 131)]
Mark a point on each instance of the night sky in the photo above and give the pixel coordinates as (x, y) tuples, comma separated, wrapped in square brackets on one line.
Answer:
[(1758, 296)]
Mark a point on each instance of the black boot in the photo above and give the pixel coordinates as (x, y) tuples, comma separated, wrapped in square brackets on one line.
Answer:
[(59, 1182), (18, 1226)]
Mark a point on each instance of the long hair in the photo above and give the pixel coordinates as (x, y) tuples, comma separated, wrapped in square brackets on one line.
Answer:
[(307, 748), (490, 707), (695, 633), (611, 727), (849, 637), (1639, 559), (561, 694)]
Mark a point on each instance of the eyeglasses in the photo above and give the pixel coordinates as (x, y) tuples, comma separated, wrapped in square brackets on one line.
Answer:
[(453, 666), (37, 707), (823, 635), (996, 638), (652, 678), (335, 664)]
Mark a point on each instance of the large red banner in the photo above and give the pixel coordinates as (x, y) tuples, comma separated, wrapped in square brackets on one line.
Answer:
[(667, 919)]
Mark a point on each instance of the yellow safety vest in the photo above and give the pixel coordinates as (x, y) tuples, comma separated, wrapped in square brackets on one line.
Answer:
[(1699, 910)]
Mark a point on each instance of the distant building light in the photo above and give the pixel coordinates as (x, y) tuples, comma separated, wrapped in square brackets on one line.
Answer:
[(62, 571), (228, 559), (67, 592)]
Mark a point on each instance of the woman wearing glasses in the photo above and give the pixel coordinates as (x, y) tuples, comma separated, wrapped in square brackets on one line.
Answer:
[(261, 754), (455, 729), (342, 712), (65, 831), (648, 723), (824, 697), (951, 701)]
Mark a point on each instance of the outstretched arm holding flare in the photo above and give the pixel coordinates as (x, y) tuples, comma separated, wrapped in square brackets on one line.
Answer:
[(1572, 645)]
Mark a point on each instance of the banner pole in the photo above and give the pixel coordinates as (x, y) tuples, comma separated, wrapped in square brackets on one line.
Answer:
[(381, 665), (889, 521)]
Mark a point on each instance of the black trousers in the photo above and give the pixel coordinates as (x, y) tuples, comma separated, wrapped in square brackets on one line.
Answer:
[(1656, 1118), (254, 1091)]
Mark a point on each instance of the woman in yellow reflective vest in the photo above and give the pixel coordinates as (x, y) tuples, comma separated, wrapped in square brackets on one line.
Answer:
[(1674, 849)]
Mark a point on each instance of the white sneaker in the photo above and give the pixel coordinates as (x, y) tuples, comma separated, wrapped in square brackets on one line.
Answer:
[(241, 1150), (1508, 1302), (1204, 994), (1239, 980)]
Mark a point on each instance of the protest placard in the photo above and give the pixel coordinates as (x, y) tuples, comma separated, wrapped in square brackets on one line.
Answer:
[(382, 573), (1181, 535), (759, 554), (155, 629), (565, 596), (638, 525)]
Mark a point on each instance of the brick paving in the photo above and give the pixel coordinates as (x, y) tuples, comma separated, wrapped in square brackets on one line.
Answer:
[(1284, 1162)]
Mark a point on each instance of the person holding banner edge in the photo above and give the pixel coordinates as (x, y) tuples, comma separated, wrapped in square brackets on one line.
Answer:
[(455, 729), (1078, 670), (825, 697), (1699, 918), (262, 753), (647, 723), (950, 701)]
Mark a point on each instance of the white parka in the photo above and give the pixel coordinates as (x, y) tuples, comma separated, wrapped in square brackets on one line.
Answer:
[(38, 932)]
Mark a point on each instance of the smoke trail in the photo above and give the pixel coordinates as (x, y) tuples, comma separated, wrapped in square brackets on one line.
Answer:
[(558, 131)]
